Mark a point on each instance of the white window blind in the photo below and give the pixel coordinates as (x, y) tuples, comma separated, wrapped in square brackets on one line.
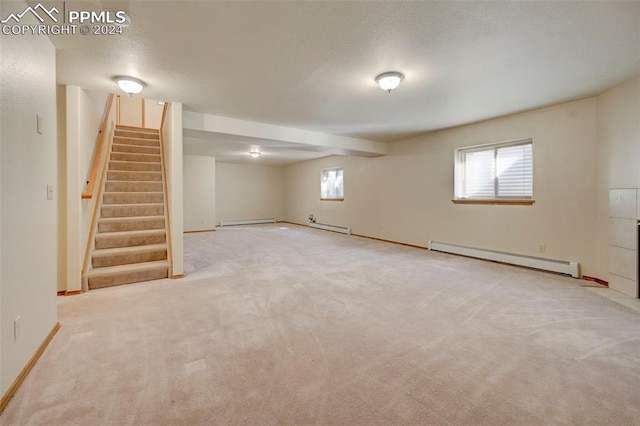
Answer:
[(496, 171), (332, 183)]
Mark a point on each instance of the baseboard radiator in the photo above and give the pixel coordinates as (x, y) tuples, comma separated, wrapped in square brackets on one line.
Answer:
[(247, 221), (334, 228), (559, 266)]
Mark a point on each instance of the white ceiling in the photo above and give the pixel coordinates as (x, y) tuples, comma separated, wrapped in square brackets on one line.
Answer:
[(311, 65)]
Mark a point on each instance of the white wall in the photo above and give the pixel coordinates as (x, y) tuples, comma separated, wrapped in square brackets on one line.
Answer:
[(172, 140), (618, 163), (61, 113), (152, 114), (82, 119), (248, 191), (406, 196), (130, 110), (28, 218), (199, 193)]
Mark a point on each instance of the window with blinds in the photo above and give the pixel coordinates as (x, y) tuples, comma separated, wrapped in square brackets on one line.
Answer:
[(332, 184), (502, 171)]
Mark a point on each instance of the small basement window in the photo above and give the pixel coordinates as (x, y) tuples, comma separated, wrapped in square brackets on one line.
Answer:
[(499, 173), (332, 184)]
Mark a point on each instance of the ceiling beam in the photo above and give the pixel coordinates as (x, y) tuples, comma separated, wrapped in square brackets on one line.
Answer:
[(231, 126)]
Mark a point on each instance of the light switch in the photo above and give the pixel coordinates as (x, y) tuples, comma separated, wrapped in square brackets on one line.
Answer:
[(38, 124), (49, 192)]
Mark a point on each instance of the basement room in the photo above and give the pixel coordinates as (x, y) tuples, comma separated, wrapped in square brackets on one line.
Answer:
[(319, 212)]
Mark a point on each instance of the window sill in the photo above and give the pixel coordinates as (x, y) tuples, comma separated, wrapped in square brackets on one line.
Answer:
[(495, 202), (331, 199)]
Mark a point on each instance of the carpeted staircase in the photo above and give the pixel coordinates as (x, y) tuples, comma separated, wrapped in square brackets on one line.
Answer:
[(131, 239)]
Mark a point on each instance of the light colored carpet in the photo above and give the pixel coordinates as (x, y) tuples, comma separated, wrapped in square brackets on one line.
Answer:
[(298, 326)]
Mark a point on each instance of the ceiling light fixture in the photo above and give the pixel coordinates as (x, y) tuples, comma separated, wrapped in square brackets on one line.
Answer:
[(254, 154), (389, 80), (129, 85)]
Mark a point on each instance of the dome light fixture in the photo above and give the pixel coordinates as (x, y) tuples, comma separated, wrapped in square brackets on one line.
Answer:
[(254, 154), (389, 80), (130, 85)]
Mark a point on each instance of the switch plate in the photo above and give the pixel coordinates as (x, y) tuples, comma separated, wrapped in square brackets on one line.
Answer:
[(38, 124), (16, 328), (49, 191)]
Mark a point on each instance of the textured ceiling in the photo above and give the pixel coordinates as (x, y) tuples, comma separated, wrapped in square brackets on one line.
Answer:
[(312, 65)]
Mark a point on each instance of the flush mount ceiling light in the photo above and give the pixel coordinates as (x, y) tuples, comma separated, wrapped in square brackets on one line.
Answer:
[(254, 154), (389, 80), (129, 85)]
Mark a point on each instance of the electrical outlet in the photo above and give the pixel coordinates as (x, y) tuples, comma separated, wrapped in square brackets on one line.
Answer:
[(542, 248), (16, 328)]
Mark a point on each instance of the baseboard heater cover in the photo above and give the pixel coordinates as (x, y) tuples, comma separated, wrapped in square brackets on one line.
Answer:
[(334, 228), (247, 221), (559, 266)]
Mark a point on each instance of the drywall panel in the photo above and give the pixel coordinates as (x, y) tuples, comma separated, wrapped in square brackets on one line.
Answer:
[(623, 233), (83, 115), (130, 110), (172, 140), (622, 203), (152, 114), (618, 163), (619, 132), (623, 285), (28, 266), (199, 193), (406, 195), (247, 191), (623, 262)]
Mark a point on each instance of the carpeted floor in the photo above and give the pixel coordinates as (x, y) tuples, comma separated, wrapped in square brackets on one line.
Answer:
[(298, 326)]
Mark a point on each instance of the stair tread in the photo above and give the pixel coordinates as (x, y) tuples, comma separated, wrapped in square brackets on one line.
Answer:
[(133, 204), (134, 153), (136, 138), (128, 250), (136, 129), (130, 218), (133, 181), (130, 162), (130, 267), (139, 232), (133, 145), (135, 171), (136, 192)]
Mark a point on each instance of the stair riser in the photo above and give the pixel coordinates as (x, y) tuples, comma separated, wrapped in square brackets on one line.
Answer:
[(135, 149), (105, 241), (131, 225), (128, 211), (123, 175), (140, 158), (121, 140), (129, 258), (137, 134), (132, 198), (128, 278), (130, 166)]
